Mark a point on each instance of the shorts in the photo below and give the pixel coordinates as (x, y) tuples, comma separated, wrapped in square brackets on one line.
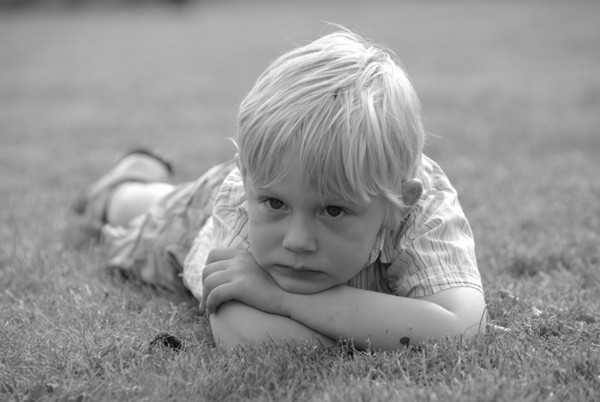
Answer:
[(153, 246)]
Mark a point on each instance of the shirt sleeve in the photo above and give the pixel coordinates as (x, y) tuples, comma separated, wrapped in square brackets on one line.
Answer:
[(196, 259), (436, 250), (227, 227)]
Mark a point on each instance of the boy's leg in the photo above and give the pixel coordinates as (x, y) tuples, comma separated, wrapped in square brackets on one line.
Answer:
[(139, 166), (132, 199)]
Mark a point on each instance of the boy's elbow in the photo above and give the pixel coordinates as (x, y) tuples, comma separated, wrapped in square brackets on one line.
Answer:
[(472, 324), (467, 311), (471, 314)]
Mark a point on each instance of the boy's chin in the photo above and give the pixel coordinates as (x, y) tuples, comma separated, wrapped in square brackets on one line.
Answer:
[(300, 287)]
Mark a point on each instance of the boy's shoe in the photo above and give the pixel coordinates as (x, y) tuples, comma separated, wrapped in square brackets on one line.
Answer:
[(140, 165)]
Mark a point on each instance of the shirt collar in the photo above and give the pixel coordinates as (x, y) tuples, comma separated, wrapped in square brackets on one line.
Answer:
[(379, 249)]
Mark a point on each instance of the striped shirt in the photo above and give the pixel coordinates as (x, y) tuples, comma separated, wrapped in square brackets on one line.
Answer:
[(431, 251)]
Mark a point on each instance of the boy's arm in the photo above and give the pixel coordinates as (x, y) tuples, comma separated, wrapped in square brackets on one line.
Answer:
[(369, 319), (384, 321), (236, 323)]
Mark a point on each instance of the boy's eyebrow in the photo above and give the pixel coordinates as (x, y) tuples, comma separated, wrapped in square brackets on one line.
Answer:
[(264, 188), (267, 191)]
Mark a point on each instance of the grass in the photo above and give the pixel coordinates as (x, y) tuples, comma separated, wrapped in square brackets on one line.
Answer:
[(510, 94)]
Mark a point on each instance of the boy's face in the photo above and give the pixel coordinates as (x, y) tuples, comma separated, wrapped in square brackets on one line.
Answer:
[(305, 244)]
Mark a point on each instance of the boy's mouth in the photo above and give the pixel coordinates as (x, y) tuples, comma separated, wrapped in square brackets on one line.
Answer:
[(289, 270)]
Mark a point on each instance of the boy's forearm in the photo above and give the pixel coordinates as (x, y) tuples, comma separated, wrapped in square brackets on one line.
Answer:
[(386, 322), (367, 318), (236, 323)]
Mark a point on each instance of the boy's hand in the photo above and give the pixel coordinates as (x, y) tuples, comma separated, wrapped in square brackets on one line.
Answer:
[(232, 274)]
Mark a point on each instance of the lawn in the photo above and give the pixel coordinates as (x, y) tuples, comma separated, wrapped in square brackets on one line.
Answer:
[(511, 98)]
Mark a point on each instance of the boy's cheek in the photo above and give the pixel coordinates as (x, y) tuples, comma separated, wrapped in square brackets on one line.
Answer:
[(257, 240)]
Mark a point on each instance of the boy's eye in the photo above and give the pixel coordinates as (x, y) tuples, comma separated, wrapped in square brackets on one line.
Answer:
[(274, 203), (334, 211)]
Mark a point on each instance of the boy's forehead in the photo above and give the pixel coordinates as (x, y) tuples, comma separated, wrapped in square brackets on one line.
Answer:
[(330, 183)]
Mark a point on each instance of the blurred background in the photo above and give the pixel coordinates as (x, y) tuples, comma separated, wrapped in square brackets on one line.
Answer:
[(74, 3)]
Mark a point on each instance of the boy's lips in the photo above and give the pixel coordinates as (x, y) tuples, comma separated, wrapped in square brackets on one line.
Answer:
[(289, 270)]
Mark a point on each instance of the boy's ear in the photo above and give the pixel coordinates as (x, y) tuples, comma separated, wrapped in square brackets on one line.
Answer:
[(412, 190)]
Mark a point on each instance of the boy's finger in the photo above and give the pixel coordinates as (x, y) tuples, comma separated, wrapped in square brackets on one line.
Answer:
[(212, 268), (217, 297), (216, 280), (209, 282), (219, 254)]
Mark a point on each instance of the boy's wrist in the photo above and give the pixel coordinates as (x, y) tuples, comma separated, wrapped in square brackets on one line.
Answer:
[(289, 303), (294, 305)]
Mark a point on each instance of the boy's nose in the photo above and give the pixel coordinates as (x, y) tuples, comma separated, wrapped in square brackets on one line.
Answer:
[(299, 236)]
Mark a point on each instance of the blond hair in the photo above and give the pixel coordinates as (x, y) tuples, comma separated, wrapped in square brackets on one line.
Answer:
[(347, 109)]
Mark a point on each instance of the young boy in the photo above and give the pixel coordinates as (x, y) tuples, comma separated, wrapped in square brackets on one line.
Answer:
[(331, 223)]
